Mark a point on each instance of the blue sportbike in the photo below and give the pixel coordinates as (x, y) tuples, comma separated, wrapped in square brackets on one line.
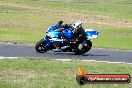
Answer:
[(62, 40)]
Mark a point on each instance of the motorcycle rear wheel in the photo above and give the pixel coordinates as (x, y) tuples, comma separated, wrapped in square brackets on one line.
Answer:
[(84, 48), (89, 45)]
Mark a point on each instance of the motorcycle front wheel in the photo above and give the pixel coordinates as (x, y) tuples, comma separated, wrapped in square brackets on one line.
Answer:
[(40, 46)]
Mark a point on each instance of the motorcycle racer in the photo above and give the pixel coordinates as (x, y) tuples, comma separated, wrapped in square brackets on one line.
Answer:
[(79, 32)]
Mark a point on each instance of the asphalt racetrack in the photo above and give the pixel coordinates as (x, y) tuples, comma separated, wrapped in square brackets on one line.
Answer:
[(22, 50)]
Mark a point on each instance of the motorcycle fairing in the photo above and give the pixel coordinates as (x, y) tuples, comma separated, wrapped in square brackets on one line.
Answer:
[(55, 37), (68, 33), (90, 33)]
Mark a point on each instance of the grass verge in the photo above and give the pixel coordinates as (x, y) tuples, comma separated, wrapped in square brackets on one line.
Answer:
[(44, 73)]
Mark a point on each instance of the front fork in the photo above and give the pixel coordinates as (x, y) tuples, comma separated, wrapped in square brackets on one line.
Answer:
[(48, 43)]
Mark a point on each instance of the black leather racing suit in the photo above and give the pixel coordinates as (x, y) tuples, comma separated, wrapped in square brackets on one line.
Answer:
[(79, 35)]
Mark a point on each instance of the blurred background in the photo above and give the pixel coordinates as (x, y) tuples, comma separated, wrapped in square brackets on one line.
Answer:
[(25, 21)]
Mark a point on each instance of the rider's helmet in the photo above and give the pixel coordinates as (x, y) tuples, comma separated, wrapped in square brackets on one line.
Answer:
[(77, 25)]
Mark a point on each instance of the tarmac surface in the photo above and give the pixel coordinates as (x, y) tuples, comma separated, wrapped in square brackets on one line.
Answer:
[(22, 50)]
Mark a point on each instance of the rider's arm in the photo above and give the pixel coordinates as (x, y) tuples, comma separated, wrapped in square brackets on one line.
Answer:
[(81, 34), (66, 26)]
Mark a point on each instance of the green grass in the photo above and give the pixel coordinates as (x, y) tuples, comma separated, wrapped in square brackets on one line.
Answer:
[(119, 38), (44, 73), (28, 21), (111, 8)]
